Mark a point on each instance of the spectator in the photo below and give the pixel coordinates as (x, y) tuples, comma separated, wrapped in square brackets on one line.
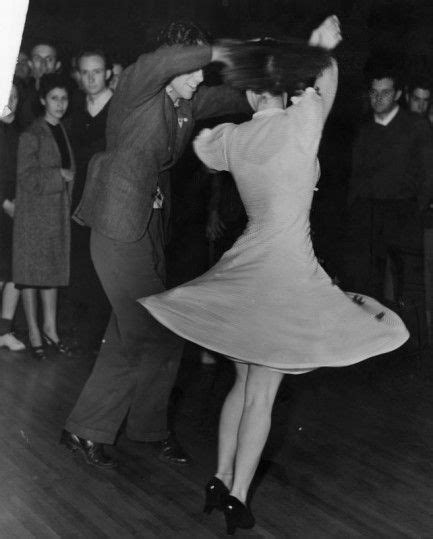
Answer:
[(87, 122), (391, 171), (88, 119), (116, 71), (22, 69), (418, 95), (43, 59), (8, 166), (42, 219)]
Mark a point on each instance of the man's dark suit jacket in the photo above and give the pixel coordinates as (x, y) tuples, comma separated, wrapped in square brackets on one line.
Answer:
[(146, 134)]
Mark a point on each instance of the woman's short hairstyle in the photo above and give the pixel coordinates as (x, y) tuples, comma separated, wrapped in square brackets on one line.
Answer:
[(183, 32), (49, 81), (269, 65)]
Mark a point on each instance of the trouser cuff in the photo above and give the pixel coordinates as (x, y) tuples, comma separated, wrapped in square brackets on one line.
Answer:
[(95, 435)]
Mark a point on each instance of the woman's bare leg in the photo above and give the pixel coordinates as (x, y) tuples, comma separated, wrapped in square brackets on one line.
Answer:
[(230, 418), (49, 310), (260, 390), (31, 312), (10, 299)]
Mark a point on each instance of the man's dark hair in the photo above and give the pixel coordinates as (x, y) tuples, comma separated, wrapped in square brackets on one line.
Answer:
[(419, 81), (49, 81), (85, 53), (378, 70), (183, 32), (47, 43)]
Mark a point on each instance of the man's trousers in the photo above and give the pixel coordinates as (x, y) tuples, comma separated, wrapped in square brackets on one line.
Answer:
[(136, 368)]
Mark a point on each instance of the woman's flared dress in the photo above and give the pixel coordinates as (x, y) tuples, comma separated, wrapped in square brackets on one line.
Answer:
[(268, 301)]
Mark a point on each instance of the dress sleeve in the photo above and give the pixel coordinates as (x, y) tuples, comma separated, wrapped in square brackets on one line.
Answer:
[(211, 146), (308, 116)]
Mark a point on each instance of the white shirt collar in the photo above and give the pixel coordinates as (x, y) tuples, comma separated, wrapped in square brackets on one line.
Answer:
[(176, 102), (95, 105), (388, 118)]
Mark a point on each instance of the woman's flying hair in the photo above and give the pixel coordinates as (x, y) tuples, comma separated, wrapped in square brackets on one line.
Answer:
[(274, 66)]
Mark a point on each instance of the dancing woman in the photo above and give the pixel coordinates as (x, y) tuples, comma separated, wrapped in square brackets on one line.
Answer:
[(267, 304)]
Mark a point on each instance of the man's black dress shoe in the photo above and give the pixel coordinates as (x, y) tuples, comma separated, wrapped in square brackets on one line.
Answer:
[(170, 450), (92, 452)]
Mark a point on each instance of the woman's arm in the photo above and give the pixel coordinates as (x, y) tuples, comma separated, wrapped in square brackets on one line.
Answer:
[(327, 36), (31, 175)]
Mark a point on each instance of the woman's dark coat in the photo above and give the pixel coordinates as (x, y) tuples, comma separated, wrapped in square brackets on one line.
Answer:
[(42, 223)]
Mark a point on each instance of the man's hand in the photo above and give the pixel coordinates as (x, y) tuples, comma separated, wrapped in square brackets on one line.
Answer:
[(327, 35)]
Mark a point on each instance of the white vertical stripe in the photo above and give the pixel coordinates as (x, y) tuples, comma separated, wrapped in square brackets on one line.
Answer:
[(12, 18)]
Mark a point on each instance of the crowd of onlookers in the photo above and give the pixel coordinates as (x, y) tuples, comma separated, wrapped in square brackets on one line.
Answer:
[(53, 126), (387, 249), (55, 122)]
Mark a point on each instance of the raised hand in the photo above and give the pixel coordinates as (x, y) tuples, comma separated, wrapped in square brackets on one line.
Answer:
[(222, 50), (328, 34)]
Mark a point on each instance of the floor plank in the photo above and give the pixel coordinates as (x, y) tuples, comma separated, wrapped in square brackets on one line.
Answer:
[(350, 455)]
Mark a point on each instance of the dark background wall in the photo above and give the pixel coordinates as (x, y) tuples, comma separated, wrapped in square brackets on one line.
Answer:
[(128, 26), (125, 28)]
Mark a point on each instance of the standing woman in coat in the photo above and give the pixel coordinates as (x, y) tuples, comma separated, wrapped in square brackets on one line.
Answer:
[(42, 232)]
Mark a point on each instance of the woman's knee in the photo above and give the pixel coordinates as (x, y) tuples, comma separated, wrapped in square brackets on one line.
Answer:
[(261, 386)]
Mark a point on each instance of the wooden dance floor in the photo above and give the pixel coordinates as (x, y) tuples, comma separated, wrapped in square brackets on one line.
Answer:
[(350, 455)]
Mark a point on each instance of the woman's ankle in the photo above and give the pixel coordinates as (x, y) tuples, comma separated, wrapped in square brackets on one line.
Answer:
[(240, 494), (226, 478), (35, 339), (51, 333)]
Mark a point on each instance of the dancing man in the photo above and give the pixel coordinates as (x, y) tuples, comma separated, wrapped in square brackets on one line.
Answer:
[(126, 205)]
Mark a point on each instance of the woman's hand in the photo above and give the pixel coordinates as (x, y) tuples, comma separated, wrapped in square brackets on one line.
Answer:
[(327, 35), (67, 174), (222, 49)]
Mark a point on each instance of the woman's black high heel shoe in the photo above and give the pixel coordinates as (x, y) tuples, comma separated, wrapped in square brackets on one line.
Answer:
[(38, 352), (58, 346), (215, 492), (237, 515)]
